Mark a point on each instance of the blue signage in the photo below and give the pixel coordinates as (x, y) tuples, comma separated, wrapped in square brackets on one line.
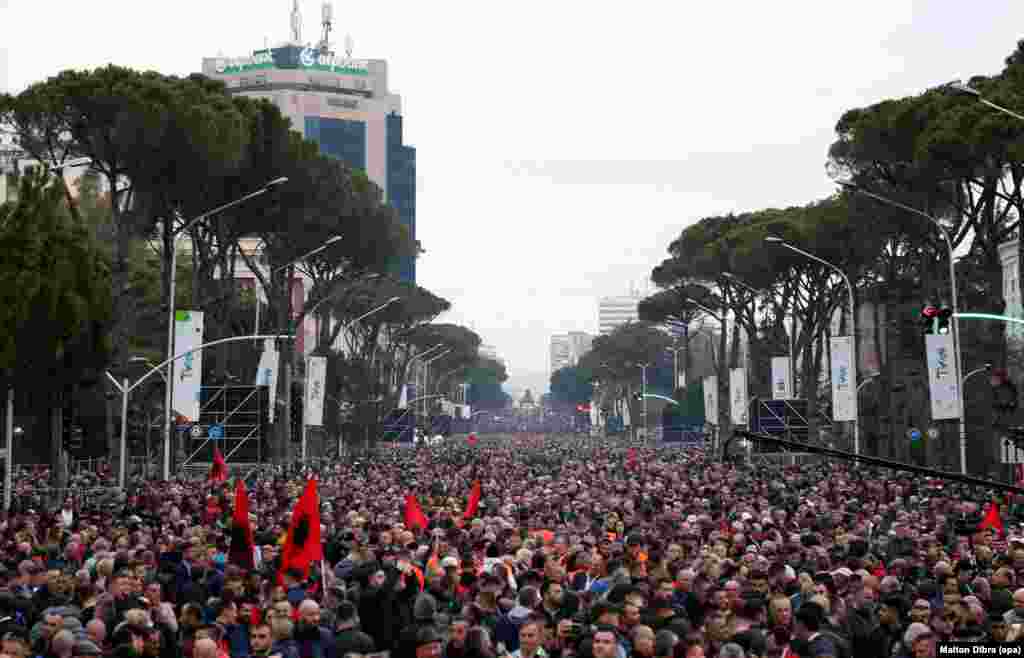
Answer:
[(215, 432)]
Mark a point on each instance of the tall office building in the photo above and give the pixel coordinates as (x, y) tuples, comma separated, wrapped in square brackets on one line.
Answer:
[(615, 311), (339, 102), (568, 349)]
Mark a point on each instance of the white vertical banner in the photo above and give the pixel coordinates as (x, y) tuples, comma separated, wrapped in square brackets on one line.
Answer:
[(942, 382), (843, 386), (316, 380), (681, 381), (782, 381), (738, 395), (188, 372), (266, 374), (711, 399), (626, 420)]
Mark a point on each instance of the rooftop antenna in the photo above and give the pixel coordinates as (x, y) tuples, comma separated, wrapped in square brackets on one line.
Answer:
[(327, 17), (296, 22)]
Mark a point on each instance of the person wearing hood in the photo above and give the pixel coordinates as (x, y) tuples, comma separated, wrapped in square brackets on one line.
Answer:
[(424, 615)]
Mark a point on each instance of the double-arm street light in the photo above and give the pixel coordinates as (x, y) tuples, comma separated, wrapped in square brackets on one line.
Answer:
[(776, 240), (389, 302), (301, 258), (172, 271), (125, 389), (953, 300), (792, 330)]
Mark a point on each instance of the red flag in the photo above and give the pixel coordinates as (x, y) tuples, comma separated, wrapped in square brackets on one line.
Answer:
[(219, 469), (242, 541), (303, 547), (631, 459), (474, 501), (992, 519), (471, 440), (414, 516)]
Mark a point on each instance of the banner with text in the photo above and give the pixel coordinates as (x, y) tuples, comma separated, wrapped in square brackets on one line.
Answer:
[(782, 382), (316, 380), (843, 385), (942, 382), (738, 395), (711, 399), (188, 370), (266, 375)]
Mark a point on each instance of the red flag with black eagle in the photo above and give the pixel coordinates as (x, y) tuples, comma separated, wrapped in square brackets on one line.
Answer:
[(240, 552), (992, 519), (414, 516), (474, 501), (302, 546), (219, 469)]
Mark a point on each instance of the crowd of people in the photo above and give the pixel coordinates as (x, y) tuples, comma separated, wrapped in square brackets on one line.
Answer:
[(578, 548)]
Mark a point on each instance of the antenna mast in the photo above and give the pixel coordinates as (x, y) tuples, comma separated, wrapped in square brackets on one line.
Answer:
[(327, 15), (296, 22)]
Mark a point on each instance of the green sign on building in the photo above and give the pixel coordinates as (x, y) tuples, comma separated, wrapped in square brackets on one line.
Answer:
[(292, 57)]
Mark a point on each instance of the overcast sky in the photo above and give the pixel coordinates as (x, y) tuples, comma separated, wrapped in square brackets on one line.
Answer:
[(562, 145)]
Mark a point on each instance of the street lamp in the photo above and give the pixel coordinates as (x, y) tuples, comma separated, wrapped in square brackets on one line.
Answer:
[(965, 89), (172, 270), (853, 187), (985, 368), (289, 264), (305, 441), (73, 162), (776, 240)]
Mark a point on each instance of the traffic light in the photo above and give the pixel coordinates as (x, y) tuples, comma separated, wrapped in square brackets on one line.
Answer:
[(295, 414), (930, 319), (1004, 393), (945, 315)]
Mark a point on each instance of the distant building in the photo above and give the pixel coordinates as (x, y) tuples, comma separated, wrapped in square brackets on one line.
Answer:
[(1010, 259), (613, 312), (568, 349), (489, 352)]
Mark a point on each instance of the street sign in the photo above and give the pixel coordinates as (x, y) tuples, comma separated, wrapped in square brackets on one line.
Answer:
[(914, 434), (215, 432), (197, 431)]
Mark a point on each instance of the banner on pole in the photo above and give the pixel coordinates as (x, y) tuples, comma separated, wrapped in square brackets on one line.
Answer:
[(738, 395), (843, 384), (942, 382), (316, 380), (266, 375), (711, 399), (782, 381), (188, 373)]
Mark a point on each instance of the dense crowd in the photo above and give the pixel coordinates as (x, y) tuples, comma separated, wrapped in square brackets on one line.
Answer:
[(579, 548)]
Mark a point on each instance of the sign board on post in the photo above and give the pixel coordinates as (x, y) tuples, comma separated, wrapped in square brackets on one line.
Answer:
[(782, 381), (738, 395), (1011, 453), (711, 399), (316, 377), (843, 386), (942, 384), (188, 373), (266, 375)]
